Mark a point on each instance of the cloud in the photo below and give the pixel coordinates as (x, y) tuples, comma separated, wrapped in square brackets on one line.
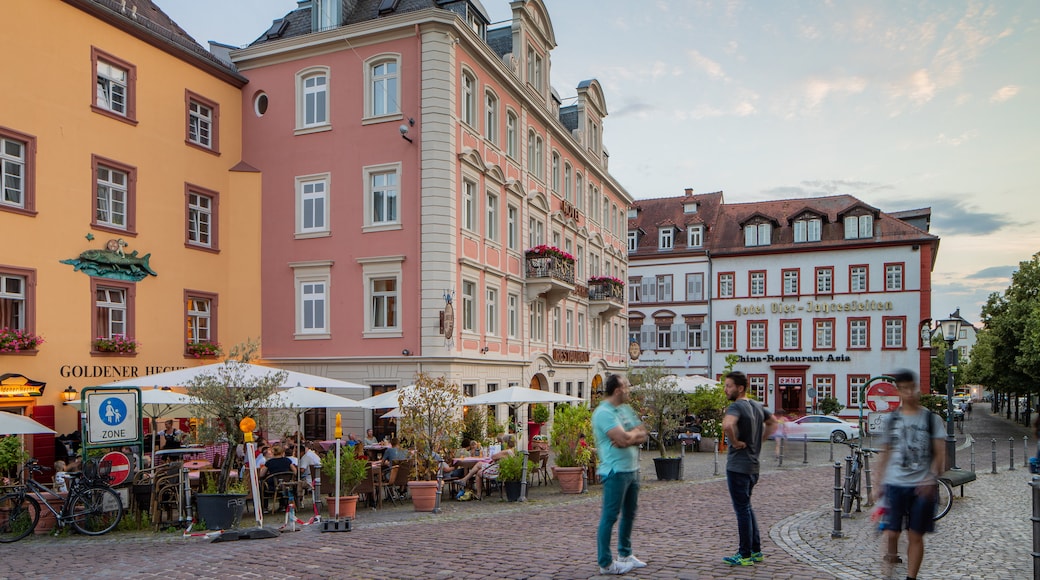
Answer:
[(639, 109), (817, 89), (1002, 272), (919, 87), (706, 64), (1003, 94), (952, 218), (822, 187), (944, 139)]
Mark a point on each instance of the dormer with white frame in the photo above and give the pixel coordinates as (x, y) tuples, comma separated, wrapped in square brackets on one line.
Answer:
[(533, 40)]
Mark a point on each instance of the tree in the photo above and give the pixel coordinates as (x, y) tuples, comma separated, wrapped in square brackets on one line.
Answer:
[(1007, 354), (431, 420), (709, 404), (228, 395), (657, 398)]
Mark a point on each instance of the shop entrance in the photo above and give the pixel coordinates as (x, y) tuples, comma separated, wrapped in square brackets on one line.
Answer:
[(792, 393)]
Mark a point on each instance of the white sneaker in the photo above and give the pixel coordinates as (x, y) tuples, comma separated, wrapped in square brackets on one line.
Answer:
[(636, 562), (617, 568)]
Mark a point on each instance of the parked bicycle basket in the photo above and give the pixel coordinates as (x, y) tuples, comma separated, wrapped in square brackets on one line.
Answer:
[(95, 471)]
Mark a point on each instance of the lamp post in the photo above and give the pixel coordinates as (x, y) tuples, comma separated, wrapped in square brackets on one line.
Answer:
[(950, 328)]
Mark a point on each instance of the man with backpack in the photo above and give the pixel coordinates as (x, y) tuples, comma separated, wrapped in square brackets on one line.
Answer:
[(912, 456)]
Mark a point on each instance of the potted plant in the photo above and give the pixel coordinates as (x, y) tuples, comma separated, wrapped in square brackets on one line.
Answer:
[(18, 340), (12, 456), (709, 405), (226, 396), (510, 473), (656, 397), (539, 416), (352, 471), (569, 424), (202, 349), (118, 344), (431, 418)]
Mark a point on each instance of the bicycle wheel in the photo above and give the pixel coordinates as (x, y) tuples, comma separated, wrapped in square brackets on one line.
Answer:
[(95, 510), (850, 489), (943, 499), (18, 516)]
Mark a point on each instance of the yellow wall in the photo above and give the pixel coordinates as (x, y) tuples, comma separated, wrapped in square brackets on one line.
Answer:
[(48, 95)]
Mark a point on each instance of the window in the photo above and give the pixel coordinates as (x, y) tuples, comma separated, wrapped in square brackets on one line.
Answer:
[(859, 227), (727, 336), (202, 217), (203, 117), (790, 282), (568, 185), (695, 286), (596, 333), (534, 155), (696, 336), (757, 335), (664, 239), (893, 277), (664, 288), (511, 135), (557, 324), (111, 312), (491, 117), (469, 306), (633, 241), (757, 234), (603, 222), (824, 387), (556, 175), (513, 315), (757, 386), (115, 94), (469, 99), (792, 334), (312, 205), (824, 280), (384, 87), (857, 278), (17, 171), (856, 383), (383, 196), (664, 337), (313, 306), (534, 68), (384, 292), (593, 136), (895, 333), (115, 199), (312, 99), (569, 334), (492, 217), (859, 333), (17, 298), (326, 15), (492, 311), (535, 232), (537, 320), (512, 226), (200, 312), (807, 230), (469, 209), (758, 283), (695, 236), (579, 262), (726, 285), (823, 331), (581, 329)]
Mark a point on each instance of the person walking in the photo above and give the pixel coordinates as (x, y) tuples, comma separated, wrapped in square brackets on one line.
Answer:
[(617, 432), (912, 456), (746, 424)]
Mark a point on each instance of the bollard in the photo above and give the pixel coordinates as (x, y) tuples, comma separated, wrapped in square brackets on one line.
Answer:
[(830, 445), (994, 441), (780, 457), (1025, 452), (585, 480), (716, 446), (973, 457), (805, 448), (440, 486), (1011, 453), (848, 485), (866, 472), (1035, 485), (523, 477), (836, 532)]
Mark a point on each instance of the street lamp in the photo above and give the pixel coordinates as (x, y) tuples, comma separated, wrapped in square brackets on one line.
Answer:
[(950, 328)]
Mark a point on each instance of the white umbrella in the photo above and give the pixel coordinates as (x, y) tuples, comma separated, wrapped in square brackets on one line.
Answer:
[(304, 398), (11, 424), (387, 400), (519, 396), (694, 383), (394, 413), (183, 377)]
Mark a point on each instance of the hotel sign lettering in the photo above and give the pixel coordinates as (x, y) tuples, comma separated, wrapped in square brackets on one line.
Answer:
[(113, 371), (814, 307), (774, 358), (570, 211)]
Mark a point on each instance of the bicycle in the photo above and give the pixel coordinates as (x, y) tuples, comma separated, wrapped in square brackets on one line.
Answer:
[(92, 507), (851, 489)]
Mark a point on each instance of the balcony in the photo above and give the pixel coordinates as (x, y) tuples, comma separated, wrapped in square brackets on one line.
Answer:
[(550, 276), (606, 296)]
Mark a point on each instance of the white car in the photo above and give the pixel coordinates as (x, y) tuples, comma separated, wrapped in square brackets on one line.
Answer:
[(822, 428)]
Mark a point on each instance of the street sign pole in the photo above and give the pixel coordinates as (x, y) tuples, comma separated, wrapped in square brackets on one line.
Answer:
[(111, 418), (863, 397)]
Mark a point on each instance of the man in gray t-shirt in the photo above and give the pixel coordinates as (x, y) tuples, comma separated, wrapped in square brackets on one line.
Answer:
[(912, 456)]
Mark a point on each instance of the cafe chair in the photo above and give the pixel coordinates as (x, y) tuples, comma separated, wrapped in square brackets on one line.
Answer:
[(371, 488), (276, 486), (537, 468), (398, 485)]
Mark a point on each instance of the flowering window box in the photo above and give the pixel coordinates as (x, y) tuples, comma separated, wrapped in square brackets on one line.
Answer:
[(18, 341), (115, 345), (202, 349)]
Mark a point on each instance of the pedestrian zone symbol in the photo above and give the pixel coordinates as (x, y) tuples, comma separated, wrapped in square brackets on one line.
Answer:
[(113, 411)]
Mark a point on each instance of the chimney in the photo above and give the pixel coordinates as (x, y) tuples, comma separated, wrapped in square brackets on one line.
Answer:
[(689, 191)]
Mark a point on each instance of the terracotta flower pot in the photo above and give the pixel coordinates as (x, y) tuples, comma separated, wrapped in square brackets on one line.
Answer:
[(569, 478), (424, 495), (347, 506)]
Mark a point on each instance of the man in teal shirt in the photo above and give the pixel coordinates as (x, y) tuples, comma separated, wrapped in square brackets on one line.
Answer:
[(618, 431)]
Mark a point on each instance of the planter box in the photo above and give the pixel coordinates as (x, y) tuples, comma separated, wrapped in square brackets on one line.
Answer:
[(221, 511), (668, 468)]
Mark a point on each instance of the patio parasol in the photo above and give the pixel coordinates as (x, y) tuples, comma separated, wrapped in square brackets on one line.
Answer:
[(11, 424)]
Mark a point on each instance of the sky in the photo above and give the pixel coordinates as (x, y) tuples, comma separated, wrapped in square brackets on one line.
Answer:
[(904, 105)]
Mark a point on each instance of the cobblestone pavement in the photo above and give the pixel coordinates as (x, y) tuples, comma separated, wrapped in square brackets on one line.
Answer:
[(682, 530)]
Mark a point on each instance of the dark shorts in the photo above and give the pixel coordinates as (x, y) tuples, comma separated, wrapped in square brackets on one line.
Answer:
[(907, 509)]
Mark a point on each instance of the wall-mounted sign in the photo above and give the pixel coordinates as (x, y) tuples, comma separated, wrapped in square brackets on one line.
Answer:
[(15, 385), (113, 416), (113, 263), (774, 358), (814, 307)]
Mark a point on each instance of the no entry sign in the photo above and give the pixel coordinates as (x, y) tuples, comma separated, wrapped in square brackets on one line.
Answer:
[(120, 467), (882, 397)]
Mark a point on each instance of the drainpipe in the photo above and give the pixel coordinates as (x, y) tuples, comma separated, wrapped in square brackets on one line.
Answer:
[(707, 292)]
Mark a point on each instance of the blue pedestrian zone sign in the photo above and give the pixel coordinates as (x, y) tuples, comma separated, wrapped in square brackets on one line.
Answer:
[(113, 417)]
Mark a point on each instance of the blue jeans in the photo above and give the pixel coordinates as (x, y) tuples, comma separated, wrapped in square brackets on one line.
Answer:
[(740, 486), (620, 494)]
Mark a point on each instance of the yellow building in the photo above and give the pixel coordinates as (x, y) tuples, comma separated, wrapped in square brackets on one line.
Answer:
[(120, 153)]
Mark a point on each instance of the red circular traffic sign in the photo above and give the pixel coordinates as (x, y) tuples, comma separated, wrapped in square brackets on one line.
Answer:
[(882, 397), (120, 467)]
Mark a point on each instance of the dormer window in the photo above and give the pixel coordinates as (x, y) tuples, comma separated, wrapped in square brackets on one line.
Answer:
[(534, 68), (690, 207), (325, 14), (665, 238), (695, 236), (859, 227), (807, 229), (633, 213), (757, 234), (633, 241)]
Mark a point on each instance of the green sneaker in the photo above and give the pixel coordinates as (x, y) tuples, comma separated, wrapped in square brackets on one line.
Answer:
[(738, 560), (757, 557)]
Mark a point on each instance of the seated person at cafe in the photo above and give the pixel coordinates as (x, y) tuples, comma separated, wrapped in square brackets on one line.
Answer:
[(277, 463), (170, 437), (489, 470), (309, 458), (370, 438), (691, 438), (390, 455)]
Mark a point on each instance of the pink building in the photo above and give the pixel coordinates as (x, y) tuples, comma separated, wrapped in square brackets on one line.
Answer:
[(412, 157)]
